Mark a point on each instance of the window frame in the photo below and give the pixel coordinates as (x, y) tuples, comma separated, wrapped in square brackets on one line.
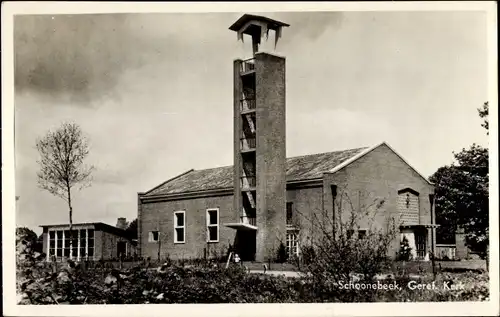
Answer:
[(292, 244), (91, 243), (151, 236), (289, 209), (364, 234), (208, 225), (176, 240), (51, 245)]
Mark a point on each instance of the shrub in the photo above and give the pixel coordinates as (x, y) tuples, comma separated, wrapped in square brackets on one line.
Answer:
[(404, 253), (339, 254), (282, 254), (175, 284), (308, 254)]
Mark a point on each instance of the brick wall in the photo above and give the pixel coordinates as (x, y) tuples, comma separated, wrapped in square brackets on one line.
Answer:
[(408, 206), (109, 243), (378, 175), (307, 206), (98, 245), (160, 215), (270, 153)]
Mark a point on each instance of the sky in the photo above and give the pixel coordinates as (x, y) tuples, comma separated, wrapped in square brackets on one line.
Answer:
[(153, 93)]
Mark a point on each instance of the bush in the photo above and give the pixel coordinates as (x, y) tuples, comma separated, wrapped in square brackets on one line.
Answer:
[(339, 253), (282, 255), (404, 253), (332, 261), (308, 255), (175, 284)]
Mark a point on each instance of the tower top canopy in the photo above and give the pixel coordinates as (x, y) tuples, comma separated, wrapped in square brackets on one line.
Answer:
[(257, 26), (247, 20)]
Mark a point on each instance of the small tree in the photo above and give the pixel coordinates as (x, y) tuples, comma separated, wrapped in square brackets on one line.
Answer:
[(338, 251), (404, 253), (282, 254), (132, 229), (62, 154)]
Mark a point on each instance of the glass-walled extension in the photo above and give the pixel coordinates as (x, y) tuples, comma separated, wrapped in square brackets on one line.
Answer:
[(77, 244), (87, 241)]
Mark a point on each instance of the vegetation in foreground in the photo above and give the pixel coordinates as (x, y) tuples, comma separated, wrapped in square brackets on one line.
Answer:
[(39, 284), (232, 285)]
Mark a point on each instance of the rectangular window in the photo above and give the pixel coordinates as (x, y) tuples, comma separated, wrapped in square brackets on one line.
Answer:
[(213, 225), (74, 241), (83, 243), (52, 243), (292, 243), (289, 213), (361, 234), (59, 239), (179, 227), (90, 243), (154, 236), (66, 243)]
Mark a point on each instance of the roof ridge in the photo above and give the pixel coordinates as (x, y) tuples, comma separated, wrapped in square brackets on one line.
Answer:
[(304, 155), (291, 157), (228, 166)]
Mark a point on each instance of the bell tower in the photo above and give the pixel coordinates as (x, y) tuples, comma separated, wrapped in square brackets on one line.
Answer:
[(259, 143)]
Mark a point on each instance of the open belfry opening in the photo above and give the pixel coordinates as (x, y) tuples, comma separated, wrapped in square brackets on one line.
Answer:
[(259, 142)]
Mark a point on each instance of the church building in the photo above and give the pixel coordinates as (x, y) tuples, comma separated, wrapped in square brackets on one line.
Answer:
[(265, 199)]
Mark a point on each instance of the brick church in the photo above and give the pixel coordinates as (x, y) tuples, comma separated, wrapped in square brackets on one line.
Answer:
[(265, 198)]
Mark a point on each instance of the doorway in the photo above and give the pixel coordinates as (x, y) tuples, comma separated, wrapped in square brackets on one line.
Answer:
[(420, 243), (245, 244), (121, 249)]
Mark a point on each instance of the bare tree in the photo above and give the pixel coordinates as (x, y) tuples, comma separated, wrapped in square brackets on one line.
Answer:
[(62, 154), (338, 247)]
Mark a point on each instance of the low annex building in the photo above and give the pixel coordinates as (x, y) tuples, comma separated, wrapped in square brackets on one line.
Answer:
[(91, 241)]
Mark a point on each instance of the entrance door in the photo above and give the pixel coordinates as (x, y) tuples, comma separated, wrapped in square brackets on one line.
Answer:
[(245, 244), (121, 249), (420, 241)]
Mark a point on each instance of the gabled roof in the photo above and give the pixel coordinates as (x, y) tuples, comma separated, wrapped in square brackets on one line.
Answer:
[(299, 168), (368, 150)]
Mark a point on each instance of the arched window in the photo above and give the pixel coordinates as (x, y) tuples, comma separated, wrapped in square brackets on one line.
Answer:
[(408, 206)]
